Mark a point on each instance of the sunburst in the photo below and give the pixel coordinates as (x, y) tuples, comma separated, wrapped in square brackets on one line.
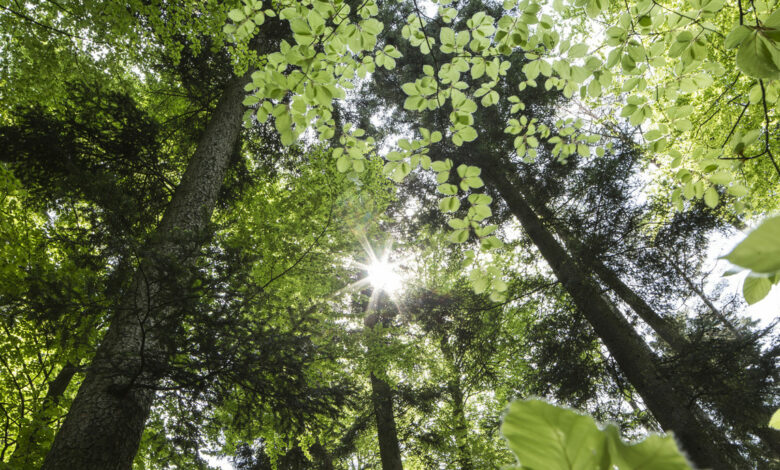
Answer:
[(383, 276)]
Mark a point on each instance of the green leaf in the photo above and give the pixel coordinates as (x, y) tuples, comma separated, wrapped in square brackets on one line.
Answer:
[(756, 57), (653, 452), (344, 164), (448, 189), (711, 197), (760, 250), (410, 89), (441, 165), (490, 243), (459, 236), (468, 134), (449, 204), (774, 422), (736, 36), (577, 51), (458, 224), (548, 437), (237, 15), (300, 26), (755, 288)]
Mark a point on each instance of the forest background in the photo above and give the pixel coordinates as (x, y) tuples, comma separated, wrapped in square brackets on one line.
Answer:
[(347, 234)]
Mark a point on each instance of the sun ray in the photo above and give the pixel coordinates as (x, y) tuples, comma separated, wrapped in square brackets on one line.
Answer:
[(382, 275)]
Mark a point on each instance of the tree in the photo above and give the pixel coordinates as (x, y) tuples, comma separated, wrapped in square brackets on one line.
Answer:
[(468, 74)]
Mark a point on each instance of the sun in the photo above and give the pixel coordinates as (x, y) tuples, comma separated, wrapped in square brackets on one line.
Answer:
[(383, 275)]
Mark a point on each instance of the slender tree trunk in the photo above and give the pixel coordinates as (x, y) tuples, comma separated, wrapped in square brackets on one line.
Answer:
[(389, 449), (104, 424), (382, 401), (461, 425), (28, 444), (700, 293), (663, 328), (674, 409)]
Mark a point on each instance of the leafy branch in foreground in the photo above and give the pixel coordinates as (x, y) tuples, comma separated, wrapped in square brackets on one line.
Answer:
[(544, 436), (759, 253)]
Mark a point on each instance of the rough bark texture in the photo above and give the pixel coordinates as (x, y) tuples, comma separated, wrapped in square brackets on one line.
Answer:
[(389, 449), (104, 425), (662, 327), (28, 445), (672, 408)]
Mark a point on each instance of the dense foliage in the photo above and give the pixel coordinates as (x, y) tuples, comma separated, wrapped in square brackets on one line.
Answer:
[(341, 234)]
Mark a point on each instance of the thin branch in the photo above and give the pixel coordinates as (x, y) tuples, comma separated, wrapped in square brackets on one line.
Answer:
[(766, 127), (41, 25)]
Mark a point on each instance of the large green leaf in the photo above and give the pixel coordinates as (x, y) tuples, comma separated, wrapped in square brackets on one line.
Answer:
[(547, 437), (760, 251), (774, 422), (755, 289), (756, 57)]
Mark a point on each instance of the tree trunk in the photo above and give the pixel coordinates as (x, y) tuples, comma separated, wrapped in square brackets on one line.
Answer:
[(27, 452), (389, 449), (461, 425), (104, 424), (662, 327), (674, 409), (382, 397)]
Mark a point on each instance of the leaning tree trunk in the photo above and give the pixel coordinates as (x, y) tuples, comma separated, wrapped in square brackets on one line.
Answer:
[(662, 327), (104, 424), (672, 407)]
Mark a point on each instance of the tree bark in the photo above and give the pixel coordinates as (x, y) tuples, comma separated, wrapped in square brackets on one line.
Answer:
[(104, 424), (673, 408), (389, 449), (382, 401)]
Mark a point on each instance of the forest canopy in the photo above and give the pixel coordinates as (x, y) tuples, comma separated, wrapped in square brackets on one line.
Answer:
[(369, 234)]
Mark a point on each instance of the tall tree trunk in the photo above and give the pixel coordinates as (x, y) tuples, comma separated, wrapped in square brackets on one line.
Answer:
[(389, 449), (461, 425), (104, 424), (673, 408), (28, 450), (382, 401), (662, 327)]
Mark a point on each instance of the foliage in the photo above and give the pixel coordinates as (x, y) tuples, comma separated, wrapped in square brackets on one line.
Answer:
[(269, 366), (759, 252), (546, 436)]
